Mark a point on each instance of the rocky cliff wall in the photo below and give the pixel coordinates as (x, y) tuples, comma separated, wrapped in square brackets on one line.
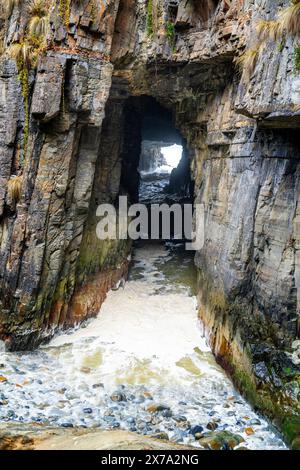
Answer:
[(60, 158)]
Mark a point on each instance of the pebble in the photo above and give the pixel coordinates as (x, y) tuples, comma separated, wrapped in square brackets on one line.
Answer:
[(115, 425), (179, 418), (100, 385), (212, 425), (255, 422), (118, 397), (155, 408), (160, 435), (132, 429), (130, 420), (249, 431), (196, 430), (87, 410)]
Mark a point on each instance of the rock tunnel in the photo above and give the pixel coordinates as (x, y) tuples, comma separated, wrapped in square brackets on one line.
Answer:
[(134, 79)]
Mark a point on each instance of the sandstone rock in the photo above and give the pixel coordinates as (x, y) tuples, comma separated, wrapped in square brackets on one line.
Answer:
[(249, 431), (161, 435), (217, 440), (156, 408)]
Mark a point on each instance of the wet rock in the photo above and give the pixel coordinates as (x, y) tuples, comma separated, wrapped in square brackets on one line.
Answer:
[(118, 396), (239, 401), (249, 431), (11, 414), (196, 430), (156, 420), (240, 422), (160, 435), (261, 371), (130, 397), (115, 425), (130, 420), (179, 418), (100, 385), (185, 425), (255, 422), (218, 440), (296, 444), (109, 419), (15, 442), (156, 408), (212, 425), (167, 413), (87, 410), (141, 425), (132, 428), (198, 436), (67, 425)]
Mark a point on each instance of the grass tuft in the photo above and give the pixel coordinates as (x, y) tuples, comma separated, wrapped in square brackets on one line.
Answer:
[(247, 61), (289, 19), (38, 23), (14, 187), (268, 30)]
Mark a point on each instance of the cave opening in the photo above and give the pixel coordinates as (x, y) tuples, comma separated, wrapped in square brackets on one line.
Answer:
[(155, 159)]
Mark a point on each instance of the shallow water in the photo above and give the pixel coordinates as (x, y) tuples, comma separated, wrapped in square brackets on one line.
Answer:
[(146, 346)]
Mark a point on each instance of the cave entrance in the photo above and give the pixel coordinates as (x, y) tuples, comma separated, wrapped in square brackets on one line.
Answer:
[(155, 159)]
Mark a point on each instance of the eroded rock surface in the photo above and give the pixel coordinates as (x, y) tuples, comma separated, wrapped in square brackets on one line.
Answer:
[(83, 146), (25, 438)]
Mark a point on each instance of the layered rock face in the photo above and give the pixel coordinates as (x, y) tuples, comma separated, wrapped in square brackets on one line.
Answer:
[(47, 231), (85, 102), (151, 156)]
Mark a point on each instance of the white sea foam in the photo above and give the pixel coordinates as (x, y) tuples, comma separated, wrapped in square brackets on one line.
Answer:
[(146, 339)]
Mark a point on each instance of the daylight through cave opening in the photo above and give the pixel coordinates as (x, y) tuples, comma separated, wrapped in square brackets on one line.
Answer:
[(155, 152)]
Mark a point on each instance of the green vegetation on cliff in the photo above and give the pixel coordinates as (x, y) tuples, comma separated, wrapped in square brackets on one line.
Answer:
[(150, 25), (287, 23)]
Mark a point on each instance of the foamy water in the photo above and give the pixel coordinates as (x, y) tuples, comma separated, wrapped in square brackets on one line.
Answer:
[(147, 347)]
